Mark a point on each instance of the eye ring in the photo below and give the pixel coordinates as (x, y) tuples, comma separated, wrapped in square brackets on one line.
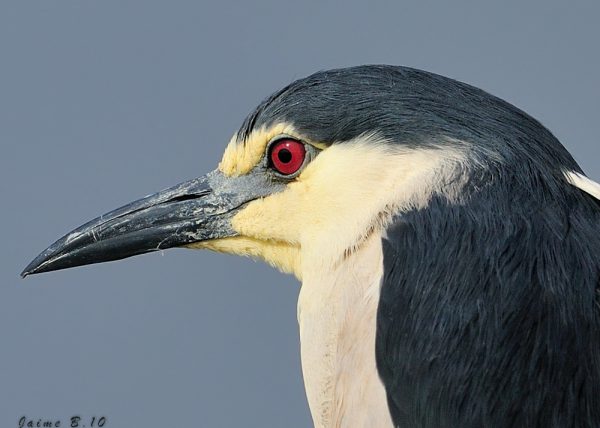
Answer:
[(286, 156)]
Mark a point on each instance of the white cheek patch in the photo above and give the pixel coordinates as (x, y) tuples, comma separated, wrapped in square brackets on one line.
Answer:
[(352, 189), (582, 182)]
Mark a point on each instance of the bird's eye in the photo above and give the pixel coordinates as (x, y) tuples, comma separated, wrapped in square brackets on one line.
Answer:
[(287, 156)]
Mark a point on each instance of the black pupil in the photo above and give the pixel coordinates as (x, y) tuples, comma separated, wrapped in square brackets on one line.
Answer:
[(284, 155)]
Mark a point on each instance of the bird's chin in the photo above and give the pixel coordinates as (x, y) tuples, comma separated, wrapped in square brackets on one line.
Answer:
[(284, 256)]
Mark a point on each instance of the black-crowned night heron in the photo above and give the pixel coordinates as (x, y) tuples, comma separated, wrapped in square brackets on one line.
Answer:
[(448, 247)]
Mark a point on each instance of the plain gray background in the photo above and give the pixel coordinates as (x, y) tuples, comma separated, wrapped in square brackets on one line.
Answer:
[(102, 102)]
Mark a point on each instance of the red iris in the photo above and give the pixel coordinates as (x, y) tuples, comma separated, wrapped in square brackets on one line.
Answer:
[(287, 156)]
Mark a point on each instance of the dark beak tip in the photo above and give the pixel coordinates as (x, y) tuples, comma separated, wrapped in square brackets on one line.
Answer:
[(39, 264), (27, 271), (30, 269)]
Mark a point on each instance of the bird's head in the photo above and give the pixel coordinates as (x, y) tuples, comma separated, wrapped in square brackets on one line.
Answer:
[(321, 164)]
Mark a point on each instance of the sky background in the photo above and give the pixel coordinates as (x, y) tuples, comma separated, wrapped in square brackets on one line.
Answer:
[(102, 102)]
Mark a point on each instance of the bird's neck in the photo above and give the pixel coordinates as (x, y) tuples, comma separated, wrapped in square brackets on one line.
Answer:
[(337, 317)]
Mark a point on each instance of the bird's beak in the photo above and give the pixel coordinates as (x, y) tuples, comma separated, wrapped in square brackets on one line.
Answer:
[(193, 211)]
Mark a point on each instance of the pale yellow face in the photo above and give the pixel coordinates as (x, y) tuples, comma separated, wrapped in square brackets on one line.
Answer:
[(346, 192)]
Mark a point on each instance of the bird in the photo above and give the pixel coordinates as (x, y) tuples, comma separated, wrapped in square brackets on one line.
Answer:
[(446, 242)]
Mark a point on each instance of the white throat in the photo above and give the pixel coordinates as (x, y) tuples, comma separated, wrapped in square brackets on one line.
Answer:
[(337, 312)]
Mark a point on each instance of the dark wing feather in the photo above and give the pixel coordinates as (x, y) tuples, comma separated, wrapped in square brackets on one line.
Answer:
[(489, 313)]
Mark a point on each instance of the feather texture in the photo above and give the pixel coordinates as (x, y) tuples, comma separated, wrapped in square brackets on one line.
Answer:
[(489, 313)]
